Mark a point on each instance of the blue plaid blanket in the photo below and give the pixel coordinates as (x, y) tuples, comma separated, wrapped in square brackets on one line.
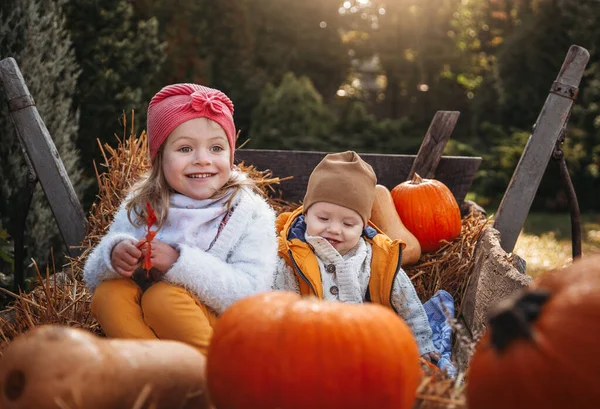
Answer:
[(438, 309)]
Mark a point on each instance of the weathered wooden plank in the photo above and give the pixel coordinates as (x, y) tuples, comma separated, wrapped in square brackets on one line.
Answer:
[(528, 174), (495, 277), (433, 144), (456, 172), (41, 151)]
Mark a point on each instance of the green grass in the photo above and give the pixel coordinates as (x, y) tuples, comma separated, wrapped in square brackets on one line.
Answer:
[(545, 241)]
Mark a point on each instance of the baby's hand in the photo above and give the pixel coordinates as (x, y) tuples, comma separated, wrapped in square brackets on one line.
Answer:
[(432, 357), (163, 256), (125, 258)]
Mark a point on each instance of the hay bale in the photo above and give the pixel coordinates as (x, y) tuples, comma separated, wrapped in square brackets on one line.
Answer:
[(450, 267)]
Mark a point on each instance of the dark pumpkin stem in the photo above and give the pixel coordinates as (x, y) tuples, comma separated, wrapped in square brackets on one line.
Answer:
[(416, 179), (511, 319)]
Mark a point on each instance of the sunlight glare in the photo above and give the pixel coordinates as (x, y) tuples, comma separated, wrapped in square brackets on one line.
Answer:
[(347, 4), (323, 24)]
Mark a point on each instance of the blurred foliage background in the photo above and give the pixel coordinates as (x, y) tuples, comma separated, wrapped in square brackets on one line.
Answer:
[(305, 74)]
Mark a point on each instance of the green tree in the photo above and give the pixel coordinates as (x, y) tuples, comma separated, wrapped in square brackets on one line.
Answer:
[(291, 116), (239, 46), (583, 137), (228, 49), (528, 63), (300, 37), (417, 57), (34, 34), (210, 43), (182, 25), (119, 55), (359, 130)]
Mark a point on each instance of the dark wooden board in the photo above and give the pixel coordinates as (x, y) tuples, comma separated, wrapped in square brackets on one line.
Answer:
[(456, 172), (433, 144)]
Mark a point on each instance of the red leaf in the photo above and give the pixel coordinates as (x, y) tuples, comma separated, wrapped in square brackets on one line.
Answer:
[(150, 235), (151, 217), (150, 220)]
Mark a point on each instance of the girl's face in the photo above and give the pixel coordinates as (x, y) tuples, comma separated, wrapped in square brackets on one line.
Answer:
[(340, 226), (196, 158)]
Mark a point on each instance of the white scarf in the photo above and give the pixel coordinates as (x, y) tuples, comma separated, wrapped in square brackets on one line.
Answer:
[(193, 222)]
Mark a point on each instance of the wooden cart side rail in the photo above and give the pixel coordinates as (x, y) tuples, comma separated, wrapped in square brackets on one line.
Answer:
[(551, 121), (41, 154)]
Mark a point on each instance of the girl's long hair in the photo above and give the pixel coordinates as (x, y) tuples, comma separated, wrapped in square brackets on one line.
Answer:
[(153, 188)]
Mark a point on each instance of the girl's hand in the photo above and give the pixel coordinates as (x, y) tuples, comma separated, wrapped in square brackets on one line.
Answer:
[(163, 256), (432, 357), (125, 258)]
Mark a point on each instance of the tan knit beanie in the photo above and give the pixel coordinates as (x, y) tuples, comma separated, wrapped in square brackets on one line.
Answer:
[(343, 179)]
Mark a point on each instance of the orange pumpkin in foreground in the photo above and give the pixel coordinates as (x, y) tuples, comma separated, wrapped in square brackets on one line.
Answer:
[(541, 348), (277, 350), (429, 211)]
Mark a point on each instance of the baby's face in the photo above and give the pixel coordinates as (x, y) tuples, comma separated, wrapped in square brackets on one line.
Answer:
[(339, 225)]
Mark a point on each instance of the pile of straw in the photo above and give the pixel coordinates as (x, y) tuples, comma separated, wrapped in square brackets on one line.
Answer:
[(63, 299), (437, 391), (449, 268), (59, 299)]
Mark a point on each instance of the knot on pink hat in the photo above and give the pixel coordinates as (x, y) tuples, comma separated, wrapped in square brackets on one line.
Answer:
[(178, 103), (212, 104)]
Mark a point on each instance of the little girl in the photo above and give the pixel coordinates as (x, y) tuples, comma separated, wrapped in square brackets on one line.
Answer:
[(215, 240)]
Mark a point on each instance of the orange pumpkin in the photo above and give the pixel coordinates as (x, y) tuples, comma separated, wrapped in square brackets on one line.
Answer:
[(429, 210), (277, 350), (541, 348)]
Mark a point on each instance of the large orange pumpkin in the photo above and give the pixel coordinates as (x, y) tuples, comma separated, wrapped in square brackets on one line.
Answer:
[(277, 350), (429, 211), (541, 348)]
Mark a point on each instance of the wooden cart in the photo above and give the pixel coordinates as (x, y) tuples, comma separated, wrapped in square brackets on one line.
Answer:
[(497, 272)]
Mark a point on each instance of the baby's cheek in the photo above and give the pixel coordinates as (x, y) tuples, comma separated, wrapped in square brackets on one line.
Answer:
[(353, 239)]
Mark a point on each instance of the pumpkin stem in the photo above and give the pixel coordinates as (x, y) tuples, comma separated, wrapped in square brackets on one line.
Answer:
[(511, 319), (416, 179)]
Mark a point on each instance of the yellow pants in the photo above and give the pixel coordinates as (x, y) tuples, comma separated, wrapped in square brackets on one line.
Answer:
[(163, 311)]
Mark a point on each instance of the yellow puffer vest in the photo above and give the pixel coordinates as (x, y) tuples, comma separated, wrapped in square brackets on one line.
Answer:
[(387, 256)]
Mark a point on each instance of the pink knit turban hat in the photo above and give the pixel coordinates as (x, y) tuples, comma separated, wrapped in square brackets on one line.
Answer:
[(178, 103)]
